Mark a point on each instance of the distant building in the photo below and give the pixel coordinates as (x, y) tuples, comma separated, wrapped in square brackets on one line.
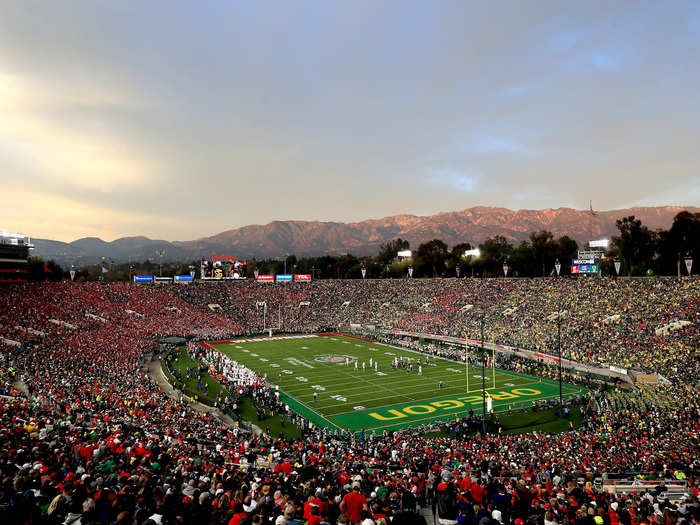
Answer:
[(14, 255)]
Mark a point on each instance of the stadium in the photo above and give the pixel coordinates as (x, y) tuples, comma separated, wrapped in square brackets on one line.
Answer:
[(403, 388), (349, 262)]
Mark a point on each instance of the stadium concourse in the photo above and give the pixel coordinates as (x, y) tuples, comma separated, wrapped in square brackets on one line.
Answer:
[(86, 436)]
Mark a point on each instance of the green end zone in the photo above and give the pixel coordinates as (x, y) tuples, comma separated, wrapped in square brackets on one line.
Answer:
[(318, 379)]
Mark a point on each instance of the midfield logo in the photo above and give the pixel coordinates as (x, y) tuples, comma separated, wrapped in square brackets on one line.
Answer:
[(332, 358)]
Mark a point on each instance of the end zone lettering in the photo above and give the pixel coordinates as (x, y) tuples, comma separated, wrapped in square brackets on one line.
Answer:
[(449, 405)]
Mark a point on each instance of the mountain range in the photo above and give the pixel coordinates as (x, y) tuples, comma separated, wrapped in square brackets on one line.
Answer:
[(313, 238)]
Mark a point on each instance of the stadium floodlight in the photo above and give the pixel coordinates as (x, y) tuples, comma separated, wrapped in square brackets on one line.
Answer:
[(600, 243)]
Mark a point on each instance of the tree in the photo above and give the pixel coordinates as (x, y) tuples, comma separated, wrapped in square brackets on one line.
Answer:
[(387, 251), (522, 261), (35, 268), (456, 259), (55, 272), (432, 255), (683, 238), (636, 245), (566, 250), (494, 252), (545, 249)]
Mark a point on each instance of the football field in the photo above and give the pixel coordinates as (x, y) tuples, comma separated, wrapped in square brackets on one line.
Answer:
[(359, 398)]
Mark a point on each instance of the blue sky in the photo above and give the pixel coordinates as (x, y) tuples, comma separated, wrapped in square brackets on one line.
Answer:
[(182, 119)]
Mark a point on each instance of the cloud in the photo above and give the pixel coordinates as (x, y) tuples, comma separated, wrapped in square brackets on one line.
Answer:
[(235, 113), (57, 151), (454, 180)]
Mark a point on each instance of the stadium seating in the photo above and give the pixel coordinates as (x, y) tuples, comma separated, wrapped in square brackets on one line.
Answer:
[(87, 436)]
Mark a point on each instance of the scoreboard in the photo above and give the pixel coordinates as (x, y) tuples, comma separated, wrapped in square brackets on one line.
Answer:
[(585, 266)]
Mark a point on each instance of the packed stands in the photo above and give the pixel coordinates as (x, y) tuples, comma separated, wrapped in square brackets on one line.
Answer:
[(87, 436)]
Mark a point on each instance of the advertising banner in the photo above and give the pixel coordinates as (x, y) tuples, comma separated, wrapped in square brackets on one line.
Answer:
[(143, 278), (284, 277), (302, 277), (183, 278), (268, 278)]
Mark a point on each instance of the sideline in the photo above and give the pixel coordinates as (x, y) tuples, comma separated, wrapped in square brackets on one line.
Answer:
[(155, 371)]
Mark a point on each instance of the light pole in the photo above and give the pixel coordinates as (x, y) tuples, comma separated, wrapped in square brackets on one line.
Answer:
[(483, 377), (160, 254), (264, 305), (561, 401)]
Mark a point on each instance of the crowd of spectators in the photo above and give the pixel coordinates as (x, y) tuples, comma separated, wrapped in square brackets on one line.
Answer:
[(604, 321), (87, 436)]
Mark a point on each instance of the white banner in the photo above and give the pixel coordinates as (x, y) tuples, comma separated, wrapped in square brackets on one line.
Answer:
[(617, 267), (364, 272), (688, 265), (72, 275)]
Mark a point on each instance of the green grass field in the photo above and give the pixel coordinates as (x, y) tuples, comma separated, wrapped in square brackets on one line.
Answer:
[(387, 398)]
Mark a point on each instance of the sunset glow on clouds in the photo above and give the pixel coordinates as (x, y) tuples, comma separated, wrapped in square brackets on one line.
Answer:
[(182, 120)]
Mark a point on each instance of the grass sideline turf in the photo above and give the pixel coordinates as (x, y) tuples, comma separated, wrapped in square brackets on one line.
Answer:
[(377, 400)]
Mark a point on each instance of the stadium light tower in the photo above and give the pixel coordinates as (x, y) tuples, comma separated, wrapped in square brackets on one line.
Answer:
[(483, 376), (561, 401), (160, 253), (472, 253)]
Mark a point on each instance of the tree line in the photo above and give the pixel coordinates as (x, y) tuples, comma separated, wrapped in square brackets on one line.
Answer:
[(640, 251)]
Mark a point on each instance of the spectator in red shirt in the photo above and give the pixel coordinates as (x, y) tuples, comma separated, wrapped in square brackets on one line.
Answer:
[(353, 503)]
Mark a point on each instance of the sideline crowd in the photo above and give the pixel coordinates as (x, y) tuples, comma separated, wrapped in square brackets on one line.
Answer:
[(86, 436)]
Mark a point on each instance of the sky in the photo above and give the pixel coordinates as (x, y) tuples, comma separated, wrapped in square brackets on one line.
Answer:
[(178, 120)]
